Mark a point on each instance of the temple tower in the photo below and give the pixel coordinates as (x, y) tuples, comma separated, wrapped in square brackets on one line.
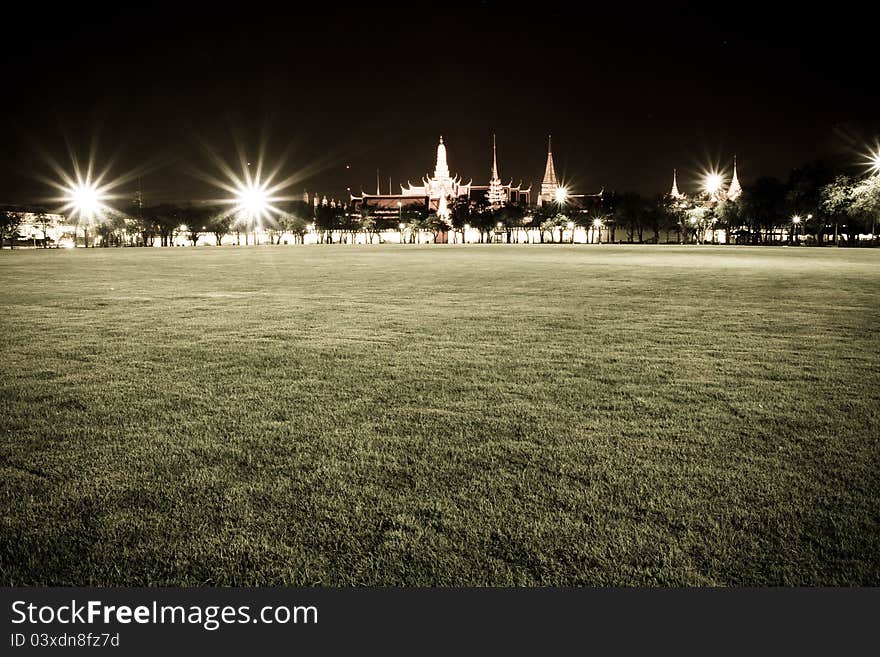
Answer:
[(495, 195), (549, 185), (735, 189), (674, 193), (441, 169)]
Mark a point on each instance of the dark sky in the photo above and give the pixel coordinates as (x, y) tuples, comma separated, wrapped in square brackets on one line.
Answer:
[(627, 93)]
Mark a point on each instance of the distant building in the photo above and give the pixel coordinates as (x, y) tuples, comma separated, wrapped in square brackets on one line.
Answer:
[(34, 220), (442, 190)]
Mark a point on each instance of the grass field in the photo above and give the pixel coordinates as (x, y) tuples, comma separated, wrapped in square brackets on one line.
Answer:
[(440, 416)]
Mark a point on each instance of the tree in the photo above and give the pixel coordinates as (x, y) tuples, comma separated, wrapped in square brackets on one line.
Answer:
[(764, 208), (804, 197), (197, 220), (167, 219), (193, 233), (9, 224), (220, 225), (730, 218), (510, 216), (630, 214), (111, 229), (836, 199), (327, 220), (414, 218), (544, 217), (43, 220), (865, 202), (699, 220), (671, 213), (657, 217), (299, 216), (298, 226), (368, 223), (557, 221), (461, 216), (142, 223)]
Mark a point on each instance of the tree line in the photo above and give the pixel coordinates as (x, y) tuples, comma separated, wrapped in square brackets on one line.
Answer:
[(817, 204)]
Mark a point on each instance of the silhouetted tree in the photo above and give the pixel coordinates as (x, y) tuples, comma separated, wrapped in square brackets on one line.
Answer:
[(10, 222)]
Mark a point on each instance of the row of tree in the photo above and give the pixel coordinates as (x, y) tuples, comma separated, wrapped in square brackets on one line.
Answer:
[(816, 204)]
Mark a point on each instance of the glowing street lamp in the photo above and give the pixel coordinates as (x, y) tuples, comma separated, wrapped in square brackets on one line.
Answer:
[(561, 195), (795, 222), (875, 162), (597, 224), (84, 199), (712, 184), (254, 202)]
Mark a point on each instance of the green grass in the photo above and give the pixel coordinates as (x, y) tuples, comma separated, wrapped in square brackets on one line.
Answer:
[(489, 415)]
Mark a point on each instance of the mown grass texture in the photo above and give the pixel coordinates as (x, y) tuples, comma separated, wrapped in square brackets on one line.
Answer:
[(440, 415)]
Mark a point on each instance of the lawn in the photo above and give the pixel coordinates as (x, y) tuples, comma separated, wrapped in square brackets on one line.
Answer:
[(440, 415)]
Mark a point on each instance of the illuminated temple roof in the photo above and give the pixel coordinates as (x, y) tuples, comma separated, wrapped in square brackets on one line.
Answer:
[(442, 187)]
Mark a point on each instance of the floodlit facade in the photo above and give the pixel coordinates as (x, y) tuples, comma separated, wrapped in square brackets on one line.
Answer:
[(39, 227), (442, 188)]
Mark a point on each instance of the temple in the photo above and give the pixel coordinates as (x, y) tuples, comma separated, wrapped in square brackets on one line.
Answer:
[(734, 191), (437, 193), (441, 184), (496, 193)]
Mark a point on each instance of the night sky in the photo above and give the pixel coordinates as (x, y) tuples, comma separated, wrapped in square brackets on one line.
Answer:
[(627, 93)]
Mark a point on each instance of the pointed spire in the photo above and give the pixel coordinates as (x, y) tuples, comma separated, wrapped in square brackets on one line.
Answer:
[(735, 189), (494, 159), (550, 184), (496, 194), (441, 170), (675, 193)]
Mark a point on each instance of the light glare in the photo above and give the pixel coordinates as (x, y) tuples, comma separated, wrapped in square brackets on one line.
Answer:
[(84, 199), (713, 183), (253, 199)]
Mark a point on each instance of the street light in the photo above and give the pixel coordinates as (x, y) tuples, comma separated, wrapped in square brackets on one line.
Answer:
[(561, 195), (713, 183), (253, 200), (796, 221), (84, 199), (597, 224)]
